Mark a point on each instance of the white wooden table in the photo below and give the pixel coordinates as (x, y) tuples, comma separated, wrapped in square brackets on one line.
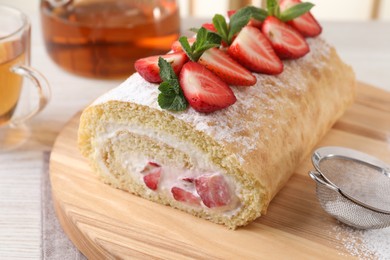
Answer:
[(366, 46)]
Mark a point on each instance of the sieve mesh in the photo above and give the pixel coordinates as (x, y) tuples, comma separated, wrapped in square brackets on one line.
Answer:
[(363, 183), (349, 212)]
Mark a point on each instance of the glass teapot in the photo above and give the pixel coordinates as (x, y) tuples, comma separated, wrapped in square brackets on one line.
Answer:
[(103, 38)]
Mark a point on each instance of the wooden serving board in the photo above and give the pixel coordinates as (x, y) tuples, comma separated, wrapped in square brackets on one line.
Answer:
[(106, 223)]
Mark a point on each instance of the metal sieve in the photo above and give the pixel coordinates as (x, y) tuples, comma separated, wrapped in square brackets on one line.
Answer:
[(352, 186)]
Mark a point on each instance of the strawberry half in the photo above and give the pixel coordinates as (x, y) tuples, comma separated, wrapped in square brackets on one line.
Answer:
[(153, 174), (176, 45), (213, 190), (226, 68), (252, 50), (306, 24), (286, 41), (204, 91), (149, 70), (185, 196)]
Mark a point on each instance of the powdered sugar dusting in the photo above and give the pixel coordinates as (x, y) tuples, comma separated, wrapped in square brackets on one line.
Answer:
[(222, 124), (364, 244), (135, 89)]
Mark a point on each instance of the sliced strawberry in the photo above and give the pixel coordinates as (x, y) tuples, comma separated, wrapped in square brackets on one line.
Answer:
[(204, 91), (286, 41), (252, 50), (306, 24), (150, 167), (185, 196), (149, 70), (226, 68), (152, 164), (213, 190), (153, 174), (209, 26), (255, 23), (188, 179), (176, 45)]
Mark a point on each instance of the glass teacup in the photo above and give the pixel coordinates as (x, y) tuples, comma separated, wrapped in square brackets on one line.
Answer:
[(14, 68)]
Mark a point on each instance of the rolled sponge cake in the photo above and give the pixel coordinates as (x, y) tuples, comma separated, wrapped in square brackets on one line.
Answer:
[(230, 163)]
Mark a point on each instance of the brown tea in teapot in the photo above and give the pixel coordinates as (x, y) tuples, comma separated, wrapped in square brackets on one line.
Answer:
[(103, 38)]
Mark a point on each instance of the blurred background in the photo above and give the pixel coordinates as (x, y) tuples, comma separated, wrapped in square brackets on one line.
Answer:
[(330, 10)]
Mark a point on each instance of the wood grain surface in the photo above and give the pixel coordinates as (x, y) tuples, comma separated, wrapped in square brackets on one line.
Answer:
[(105, 223)]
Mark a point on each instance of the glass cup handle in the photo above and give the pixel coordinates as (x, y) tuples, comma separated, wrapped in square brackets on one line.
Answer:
[(42, 86)]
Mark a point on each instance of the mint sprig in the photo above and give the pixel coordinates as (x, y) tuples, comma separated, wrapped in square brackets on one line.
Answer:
[(237, 22), (171, 96), (242, 17), (289, 14), (295, 11), (205, 40)]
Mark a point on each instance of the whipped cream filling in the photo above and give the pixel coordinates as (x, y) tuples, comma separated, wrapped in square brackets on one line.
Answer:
[(197, 157), (174, 177), (135, 163)]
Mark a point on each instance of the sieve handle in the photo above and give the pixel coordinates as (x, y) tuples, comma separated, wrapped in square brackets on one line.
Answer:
[(317, 177)]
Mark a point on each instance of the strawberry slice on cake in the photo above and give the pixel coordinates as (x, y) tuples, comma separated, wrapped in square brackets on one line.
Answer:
[(285, 40), (204, 91), (306, 24), (148, 67), (252, 50)]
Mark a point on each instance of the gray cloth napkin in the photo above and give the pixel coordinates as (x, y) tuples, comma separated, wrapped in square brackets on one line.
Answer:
[(55, 244)]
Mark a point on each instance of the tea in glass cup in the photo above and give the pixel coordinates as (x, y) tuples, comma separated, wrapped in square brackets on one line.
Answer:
[(103, 38), (10, 55), (14, 67)]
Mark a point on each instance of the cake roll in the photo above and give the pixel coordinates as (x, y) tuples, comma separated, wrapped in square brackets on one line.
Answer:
[(224, 166)]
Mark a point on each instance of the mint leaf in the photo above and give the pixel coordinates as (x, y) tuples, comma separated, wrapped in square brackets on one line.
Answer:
[(237, 22), (273, 8), (166, 89), (258, 13), (213, 38), (200, 37), (199, 51), (186, 47), (221, 26), (205, 40), (242, 17), (166, 70), (171, 96), (295, 11), (169, 99)]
